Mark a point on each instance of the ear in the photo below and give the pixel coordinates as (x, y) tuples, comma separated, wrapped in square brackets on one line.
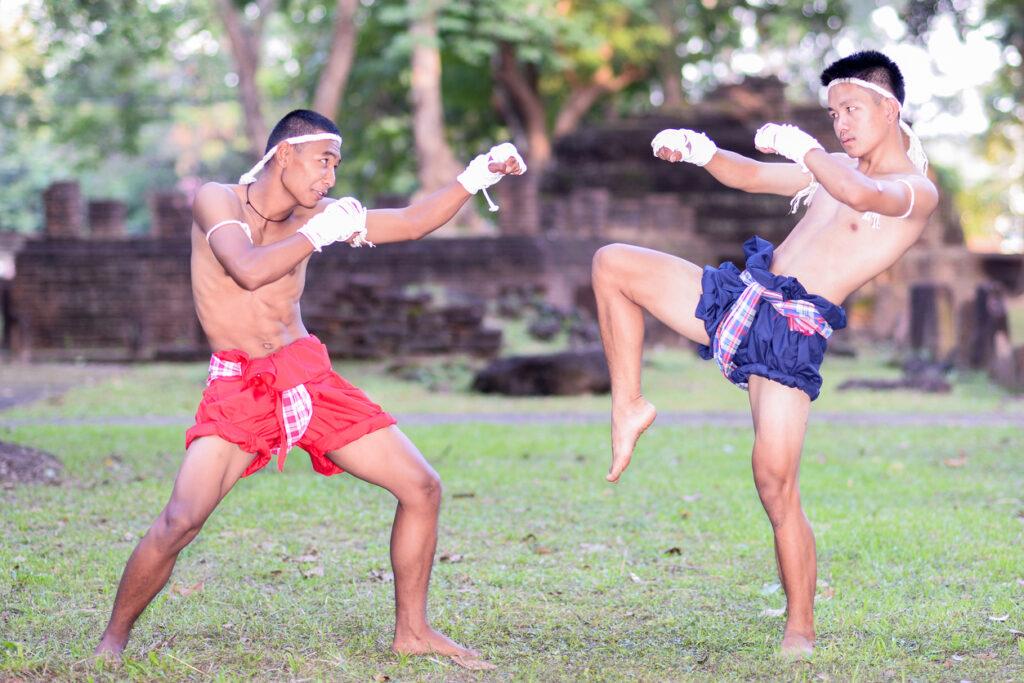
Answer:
[(892, 109), (285, 154)]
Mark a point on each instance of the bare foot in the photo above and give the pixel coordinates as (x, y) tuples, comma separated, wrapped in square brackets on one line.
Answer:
[(795, 648), (433, 642), (108, 652), (628, 423)]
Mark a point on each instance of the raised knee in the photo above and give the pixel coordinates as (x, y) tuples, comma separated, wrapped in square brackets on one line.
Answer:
[(605, 259)]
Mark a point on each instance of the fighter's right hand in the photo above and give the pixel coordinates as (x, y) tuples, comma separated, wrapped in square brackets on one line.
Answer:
[(342, 221), (683, 144), (787, 140)]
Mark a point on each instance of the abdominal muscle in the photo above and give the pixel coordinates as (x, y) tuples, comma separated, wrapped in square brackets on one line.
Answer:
[(258, 322)]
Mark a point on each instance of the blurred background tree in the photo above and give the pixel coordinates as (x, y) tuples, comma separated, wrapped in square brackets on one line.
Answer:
[(127, 97)]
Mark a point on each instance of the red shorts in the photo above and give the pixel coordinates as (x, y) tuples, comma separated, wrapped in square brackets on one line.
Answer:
[(246, 410)]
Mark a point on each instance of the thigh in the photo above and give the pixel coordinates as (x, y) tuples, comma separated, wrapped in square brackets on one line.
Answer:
[(210, 468), (387, 458), (666, 285)]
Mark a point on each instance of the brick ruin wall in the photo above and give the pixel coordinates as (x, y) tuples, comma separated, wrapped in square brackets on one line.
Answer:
[(86, 288), (121, 299)]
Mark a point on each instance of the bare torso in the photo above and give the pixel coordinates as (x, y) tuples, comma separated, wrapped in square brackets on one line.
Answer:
[(260, 321), (833, 250)]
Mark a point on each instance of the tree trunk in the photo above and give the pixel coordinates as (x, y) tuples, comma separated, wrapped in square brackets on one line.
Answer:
[(331, 85), (435, 163), (520, 197), (245, 46)]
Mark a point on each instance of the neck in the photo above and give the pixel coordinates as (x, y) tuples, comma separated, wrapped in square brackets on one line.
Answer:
[(888, 156), (261, 202)]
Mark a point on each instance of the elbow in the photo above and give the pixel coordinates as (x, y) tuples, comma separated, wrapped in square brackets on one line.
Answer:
[(246, 279), (860, 199)]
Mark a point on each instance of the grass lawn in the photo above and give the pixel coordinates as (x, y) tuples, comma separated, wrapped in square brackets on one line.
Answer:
[(552, 573)]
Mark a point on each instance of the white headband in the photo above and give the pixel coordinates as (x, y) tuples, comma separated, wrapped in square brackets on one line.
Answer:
[(250, 176), (914, 150)]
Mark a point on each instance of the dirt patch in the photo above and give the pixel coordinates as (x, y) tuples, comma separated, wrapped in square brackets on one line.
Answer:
[(23, 465)]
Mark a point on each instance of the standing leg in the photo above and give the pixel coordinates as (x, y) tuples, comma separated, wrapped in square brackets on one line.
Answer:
[(628, 280), (388, 459), (780, 422), (210, 468)]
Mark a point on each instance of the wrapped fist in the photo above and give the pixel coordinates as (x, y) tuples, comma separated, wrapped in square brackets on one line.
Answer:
[(342, 221), (479, 176), (693, 146), (787, 140)]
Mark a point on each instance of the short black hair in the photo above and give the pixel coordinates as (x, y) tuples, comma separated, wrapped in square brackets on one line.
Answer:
[(870, 66), (300, 122)]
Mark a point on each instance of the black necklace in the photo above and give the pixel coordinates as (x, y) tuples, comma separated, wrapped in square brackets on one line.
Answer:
[(269, 220)]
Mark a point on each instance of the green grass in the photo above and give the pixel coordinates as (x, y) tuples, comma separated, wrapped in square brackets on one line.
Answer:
[(676, 380), (558, 576)]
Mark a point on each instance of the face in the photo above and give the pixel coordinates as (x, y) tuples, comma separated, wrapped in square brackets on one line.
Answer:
[(310, 171), (860, 117)]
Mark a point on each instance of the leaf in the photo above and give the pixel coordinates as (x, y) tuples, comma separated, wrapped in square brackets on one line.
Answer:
[(473, 663), (768, 612), (186, 591), (383, 577), (770, 588), (692, 497), (451, 557), (674, 551), (986, 655), (541, 550), (635, 578), (827, 594), (1016, 633), (306, 558), (1002, 618), (684, 513), (315, 571), (467, 494), (382, 678), (956, 462)]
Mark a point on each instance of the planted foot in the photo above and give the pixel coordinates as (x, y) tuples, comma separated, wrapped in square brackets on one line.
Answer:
[(108, 651), (795, 647), (628, 423), (433, 642)]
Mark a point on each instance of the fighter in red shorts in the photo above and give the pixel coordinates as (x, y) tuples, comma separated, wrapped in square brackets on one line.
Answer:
[(271, 385)]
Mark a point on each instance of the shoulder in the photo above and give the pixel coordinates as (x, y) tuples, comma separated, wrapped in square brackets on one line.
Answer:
[(215, 202), (215, 194)]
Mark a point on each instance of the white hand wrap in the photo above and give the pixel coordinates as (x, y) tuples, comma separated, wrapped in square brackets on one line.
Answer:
[(478, 177), (342, 221), (695, 147), (787, 140)]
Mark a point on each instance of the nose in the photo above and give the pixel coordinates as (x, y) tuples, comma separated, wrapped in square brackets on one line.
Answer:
[(331, 177)]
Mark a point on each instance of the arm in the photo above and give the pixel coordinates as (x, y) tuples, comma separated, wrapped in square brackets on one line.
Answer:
[(863, 193), (430, 213), (249, 266), (729, 168), (847, 184)]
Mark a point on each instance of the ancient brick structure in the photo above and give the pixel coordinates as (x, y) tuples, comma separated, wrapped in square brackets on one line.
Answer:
[(97, 292)]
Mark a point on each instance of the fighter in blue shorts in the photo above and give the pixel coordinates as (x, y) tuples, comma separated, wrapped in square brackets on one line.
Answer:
[(767, 326)]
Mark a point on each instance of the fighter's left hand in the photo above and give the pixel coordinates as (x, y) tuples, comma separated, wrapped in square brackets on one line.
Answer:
[(505, 159)]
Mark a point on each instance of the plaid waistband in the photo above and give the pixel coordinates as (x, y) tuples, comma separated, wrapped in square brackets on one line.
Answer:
[(294, 406), (802, 316)]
